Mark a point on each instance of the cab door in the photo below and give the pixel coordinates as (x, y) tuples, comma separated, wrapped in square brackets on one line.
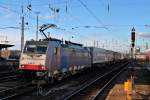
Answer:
[(57, 57)]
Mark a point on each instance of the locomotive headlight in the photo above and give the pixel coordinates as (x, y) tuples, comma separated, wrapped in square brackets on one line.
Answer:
[(22, 66), (43, 67)]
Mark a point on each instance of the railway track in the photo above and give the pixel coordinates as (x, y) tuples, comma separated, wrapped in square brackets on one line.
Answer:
[(9, 91), (8, 76), (12, 86), (7, 73), (94, 89), (64, 89), (61, 90)]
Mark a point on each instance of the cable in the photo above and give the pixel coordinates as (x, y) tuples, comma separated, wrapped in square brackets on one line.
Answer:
[(104, 5), (8, 9), (10, 27), (96, 18)]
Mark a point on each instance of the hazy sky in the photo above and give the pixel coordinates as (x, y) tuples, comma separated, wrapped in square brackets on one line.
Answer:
[(107, 21)]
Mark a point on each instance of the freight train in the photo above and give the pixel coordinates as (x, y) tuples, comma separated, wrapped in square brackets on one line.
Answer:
[(53, 59)]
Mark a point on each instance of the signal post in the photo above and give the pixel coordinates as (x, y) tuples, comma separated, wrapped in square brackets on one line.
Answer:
[(132, 43)]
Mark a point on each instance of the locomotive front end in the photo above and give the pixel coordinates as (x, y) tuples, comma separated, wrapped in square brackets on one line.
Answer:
[(33, 56)]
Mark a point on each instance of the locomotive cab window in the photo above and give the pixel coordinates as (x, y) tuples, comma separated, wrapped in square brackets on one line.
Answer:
[(30, 48), (35, 49), (41, 49)]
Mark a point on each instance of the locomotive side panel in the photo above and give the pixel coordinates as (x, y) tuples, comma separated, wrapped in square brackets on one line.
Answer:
[(67, 59), (74, 59), (53, 57)]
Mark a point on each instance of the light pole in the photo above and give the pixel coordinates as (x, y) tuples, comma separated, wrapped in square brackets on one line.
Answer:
[(37, 25), (22, 29)]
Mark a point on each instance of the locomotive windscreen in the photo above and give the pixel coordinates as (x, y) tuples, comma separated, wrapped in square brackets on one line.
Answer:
[(35, 47)]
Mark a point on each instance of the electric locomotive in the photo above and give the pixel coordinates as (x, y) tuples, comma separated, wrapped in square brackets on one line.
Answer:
[(53, 59)]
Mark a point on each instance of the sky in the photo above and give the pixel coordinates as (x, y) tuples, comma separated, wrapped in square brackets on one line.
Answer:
[(107, 22)]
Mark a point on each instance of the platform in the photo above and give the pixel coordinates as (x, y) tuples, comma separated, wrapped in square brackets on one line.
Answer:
[(4, 53), (5, 46), (141, 87)]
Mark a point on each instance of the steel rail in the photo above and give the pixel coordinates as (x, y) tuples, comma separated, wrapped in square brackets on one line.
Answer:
[(28, 89), (86, 86), (8, 89), (8, 78), (11, 90), (107, 84)]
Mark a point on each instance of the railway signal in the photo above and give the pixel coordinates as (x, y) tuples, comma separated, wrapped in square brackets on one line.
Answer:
[(132, 42), (133, 37)]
